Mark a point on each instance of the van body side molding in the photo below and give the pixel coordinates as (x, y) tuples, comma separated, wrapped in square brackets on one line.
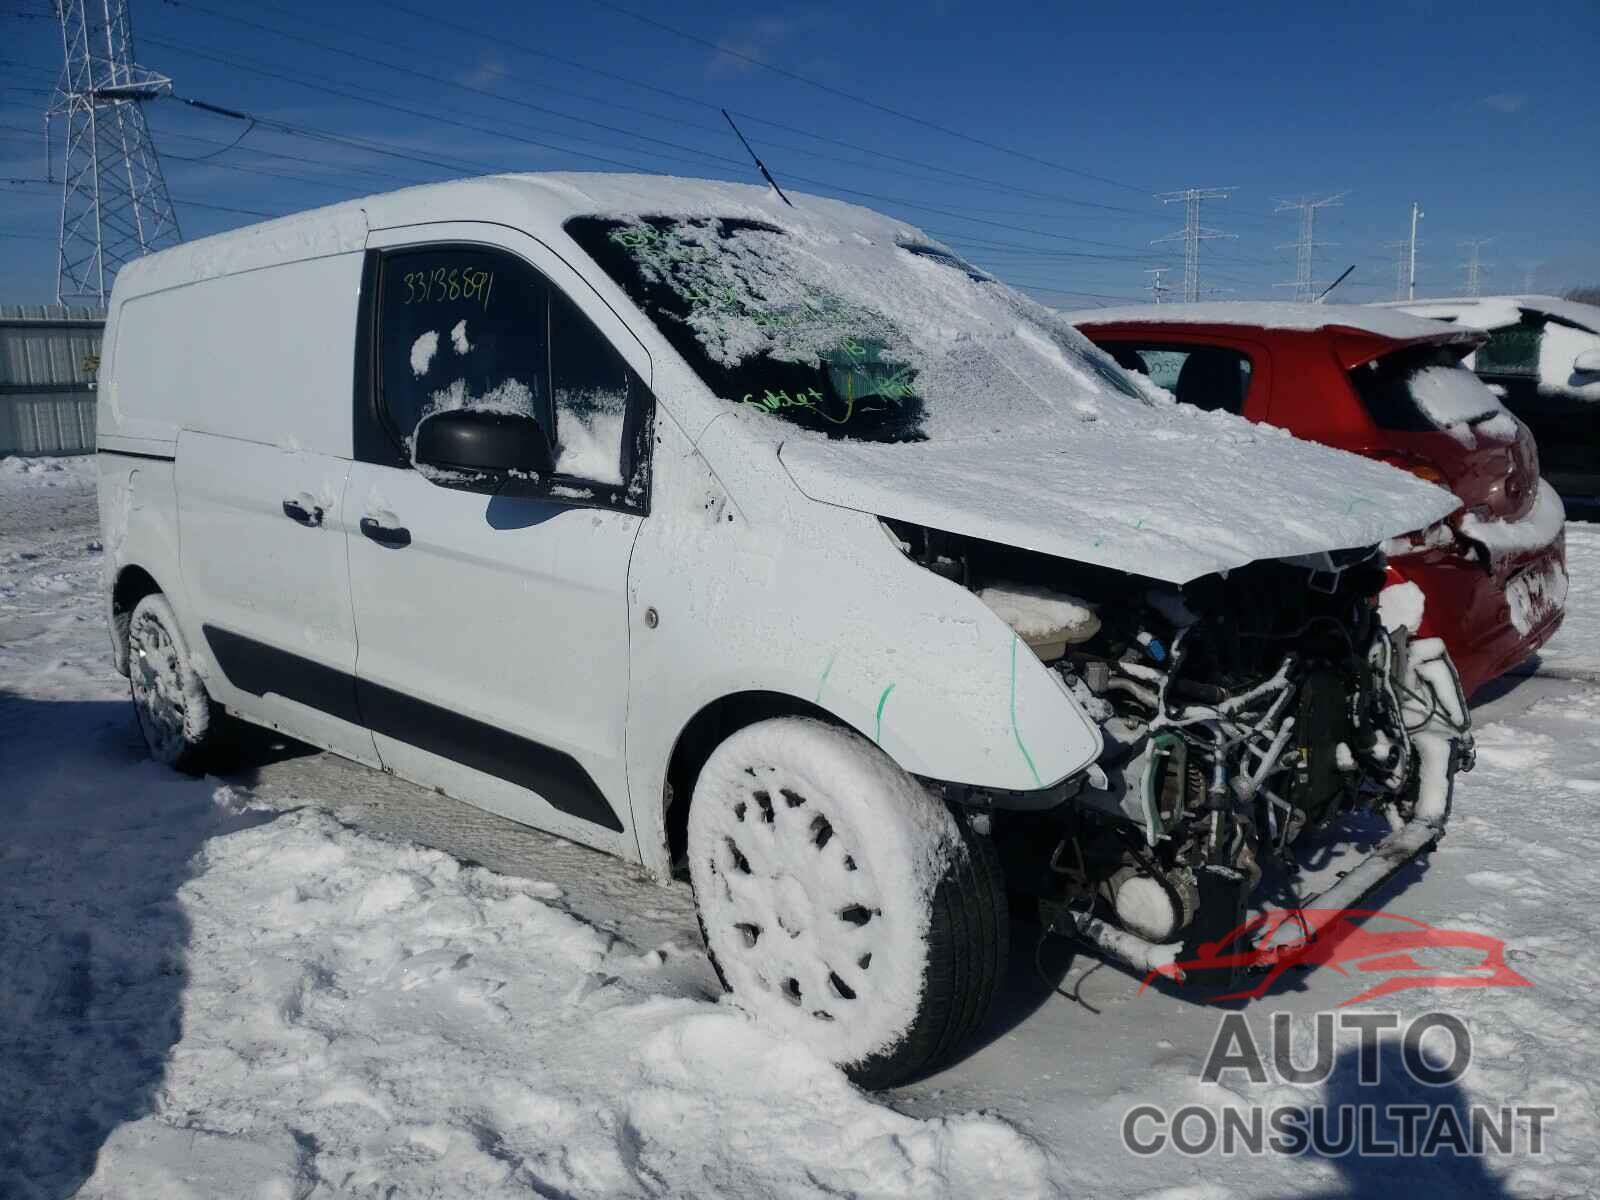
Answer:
[(257, 668), (138, 454), (556, 776)]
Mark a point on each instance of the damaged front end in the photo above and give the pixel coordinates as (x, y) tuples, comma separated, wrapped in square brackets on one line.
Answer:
[(1239, 713)]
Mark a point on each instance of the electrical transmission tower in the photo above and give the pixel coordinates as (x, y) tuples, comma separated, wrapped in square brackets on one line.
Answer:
[(1473, 267), (1158, 290), (1192, 233), (1304, 285), (114, 201)]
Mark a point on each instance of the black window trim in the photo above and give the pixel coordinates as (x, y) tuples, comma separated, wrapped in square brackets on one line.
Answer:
[(374, 440)]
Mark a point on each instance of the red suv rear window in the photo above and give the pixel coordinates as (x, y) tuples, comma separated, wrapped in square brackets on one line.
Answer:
[(1422, 389)]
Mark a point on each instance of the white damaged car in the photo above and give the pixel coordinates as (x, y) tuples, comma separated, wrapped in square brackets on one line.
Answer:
[(774, 545)]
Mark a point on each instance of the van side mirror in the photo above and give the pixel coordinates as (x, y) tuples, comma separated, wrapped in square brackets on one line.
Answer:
[(1587, 363), (477, 451)]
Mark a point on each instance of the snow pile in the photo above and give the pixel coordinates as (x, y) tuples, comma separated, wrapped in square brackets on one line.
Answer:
[(1266, 314), (1037, 613), (1496, 312), (1479, 312), (1400, 606), (28, 472), (1537, 528), (422, 352), (1436, 717), (1558, 350), (589, 427), (1534, 596), (1502, 427), (378, 1018), (510, 397), (458, 337), (591, 448), (1453, 398), (1158, 501)]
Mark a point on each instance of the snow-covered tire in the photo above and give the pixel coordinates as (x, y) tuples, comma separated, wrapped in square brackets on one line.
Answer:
[(175, 714), (843, 904)]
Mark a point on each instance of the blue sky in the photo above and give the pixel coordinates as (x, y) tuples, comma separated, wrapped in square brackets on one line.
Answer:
[(1486, 114)]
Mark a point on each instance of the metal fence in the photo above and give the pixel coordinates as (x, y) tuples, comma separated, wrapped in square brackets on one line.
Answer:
[(49, 355)]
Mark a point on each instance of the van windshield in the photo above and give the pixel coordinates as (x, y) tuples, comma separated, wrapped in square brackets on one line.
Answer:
[(897, 343)]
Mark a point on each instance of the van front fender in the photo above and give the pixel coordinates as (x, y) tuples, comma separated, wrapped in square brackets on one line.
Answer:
[(915, 663)]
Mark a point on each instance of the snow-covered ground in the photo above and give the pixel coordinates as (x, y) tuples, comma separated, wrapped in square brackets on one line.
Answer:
[(262, 985)]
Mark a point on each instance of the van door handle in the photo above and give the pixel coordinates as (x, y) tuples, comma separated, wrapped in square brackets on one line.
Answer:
[(297, 511), (393, 536)]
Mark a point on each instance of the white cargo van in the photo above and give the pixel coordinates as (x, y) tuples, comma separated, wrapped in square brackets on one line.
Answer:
[(771, 544)]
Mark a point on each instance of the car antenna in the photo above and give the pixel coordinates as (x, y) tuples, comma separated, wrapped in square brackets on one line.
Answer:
[(1334, 284), (760, 166)]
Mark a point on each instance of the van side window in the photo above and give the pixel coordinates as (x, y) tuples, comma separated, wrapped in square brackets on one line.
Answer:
[(460, 327), (590, 386)]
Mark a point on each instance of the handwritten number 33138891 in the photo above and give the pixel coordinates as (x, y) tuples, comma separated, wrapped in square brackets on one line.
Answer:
[(444, 284)]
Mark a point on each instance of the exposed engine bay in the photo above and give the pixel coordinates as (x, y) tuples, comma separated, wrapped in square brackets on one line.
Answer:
[(1238, 713)]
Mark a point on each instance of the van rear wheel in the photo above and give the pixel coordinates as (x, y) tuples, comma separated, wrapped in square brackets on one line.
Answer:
[(175, 713), (843, 904)]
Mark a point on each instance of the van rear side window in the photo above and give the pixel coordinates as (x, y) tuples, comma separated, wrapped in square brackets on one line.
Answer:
[(461, 327)]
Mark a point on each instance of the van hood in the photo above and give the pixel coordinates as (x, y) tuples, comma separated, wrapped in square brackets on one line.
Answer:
[(1177, 499)]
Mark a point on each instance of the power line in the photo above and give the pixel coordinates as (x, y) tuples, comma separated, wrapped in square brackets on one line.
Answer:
[(904, 202), (955, 213), (441, 81), (499, 42), (179, 201), (167, 134), (873, 104), (405, 110)]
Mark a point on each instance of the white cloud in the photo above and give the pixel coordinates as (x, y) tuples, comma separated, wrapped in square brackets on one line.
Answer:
[(751, 39), (490, 67)]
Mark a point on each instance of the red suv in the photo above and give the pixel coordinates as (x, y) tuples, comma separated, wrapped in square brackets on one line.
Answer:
[(1388, 386)]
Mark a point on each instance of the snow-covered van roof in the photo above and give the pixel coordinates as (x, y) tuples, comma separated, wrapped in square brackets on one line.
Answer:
[(534, 202), (927, 391), (1496, 312), (1264, 314)]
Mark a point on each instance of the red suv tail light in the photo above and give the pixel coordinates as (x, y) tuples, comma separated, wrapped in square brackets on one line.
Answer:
[(1416, 465)]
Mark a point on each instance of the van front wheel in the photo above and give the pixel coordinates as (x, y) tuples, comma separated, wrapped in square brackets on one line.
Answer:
[(175, 714), (843, 904)]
